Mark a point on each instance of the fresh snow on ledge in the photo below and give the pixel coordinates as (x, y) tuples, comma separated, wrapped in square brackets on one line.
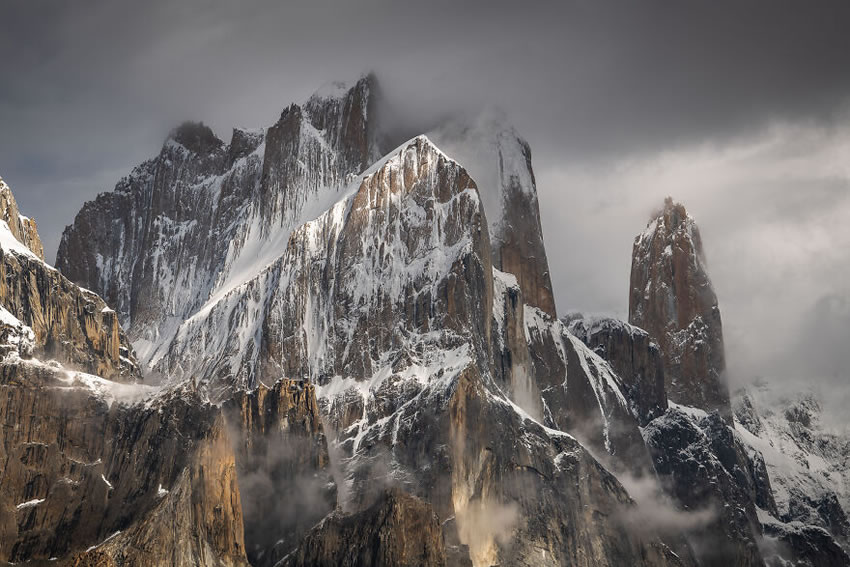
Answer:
[(29, 504)]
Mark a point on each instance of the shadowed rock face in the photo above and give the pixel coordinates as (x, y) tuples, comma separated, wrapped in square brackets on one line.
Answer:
[(398, 529), (671, 297), (285, 481), (633, 356), (500, 161), (705, 468), (204, 216), (80, 467)]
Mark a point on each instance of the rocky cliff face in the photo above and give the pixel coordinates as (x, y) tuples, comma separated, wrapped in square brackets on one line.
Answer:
[(282, 457), (84, 460), (24, 229), (500, 160), (671, 297), (95, 471), (398, 529), (635, 359), (362, 365), (433, 373), (203, 217)]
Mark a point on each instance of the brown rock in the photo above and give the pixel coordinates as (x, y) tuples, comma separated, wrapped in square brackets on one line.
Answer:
[(70, 324), (398, 529), (633, 356), (285, 480), (23, 228), (671, 297), (80, 467)]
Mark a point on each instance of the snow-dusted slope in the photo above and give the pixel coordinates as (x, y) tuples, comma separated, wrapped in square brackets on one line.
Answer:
[(203, 217), (500, 159), (808, 465)]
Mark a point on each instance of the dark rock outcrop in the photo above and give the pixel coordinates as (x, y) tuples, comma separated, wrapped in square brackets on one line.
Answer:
[(632, 355), (398, 529), (708, 471), (283, 466), (671, 297)]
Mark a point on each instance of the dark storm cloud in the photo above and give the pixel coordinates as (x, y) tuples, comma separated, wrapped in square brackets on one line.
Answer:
[(719, 103)]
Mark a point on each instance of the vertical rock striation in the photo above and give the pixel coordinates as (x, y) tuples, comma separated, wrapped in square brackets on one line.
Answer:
[(671, 297)]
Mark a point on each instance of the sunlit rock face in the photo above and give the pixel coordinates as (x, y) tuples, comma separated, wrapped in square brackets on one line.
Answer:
[(24, 229), (671, 297), (97, 467)]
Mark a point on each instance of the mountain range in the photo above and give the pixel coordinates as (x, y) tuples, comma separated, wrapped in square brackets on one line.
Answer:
[(319, 345)]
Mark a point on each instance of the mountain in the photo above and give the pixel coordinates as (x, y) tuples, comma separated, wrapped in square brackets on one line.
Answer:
[(758, 479), (99, 462), (24, 229), (671, 297), (349, 354)]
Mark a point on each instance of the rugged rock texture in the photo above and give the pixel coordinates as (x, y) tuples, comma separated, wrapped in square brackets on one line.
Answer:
[(22, 228), (633, 356), (807, 464), (70, 324), (672, 299), (67, 323), (83, 461), (710, 472), (283, 464), (92, 470), (583, 396), (800, 545), (185, 228), (398, 529), (500, 160)]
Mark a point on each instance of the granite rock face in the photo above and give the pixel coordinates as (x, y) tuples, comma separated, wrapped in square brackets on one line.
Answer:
[(370, 344), (286, 485), (398, 529), (671, 297), (83, 462), (632, 355), (100, 469), (24, 229), (500, 160), (203, 217)]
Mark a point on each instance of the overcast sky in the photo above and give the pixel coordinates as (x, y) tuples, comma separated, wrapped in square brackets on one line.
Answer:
[(741, 110)]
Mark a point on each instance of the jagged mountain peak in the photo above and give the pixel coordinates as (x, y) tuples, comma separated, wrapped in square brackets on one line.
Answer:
[(672, 298), (24, 229), (500, 160), (196, 137)]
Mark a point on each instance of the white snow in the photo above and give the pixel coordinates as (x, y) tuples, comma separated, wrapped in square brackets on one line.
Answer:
[(92, 548), (160, 491), (108, 484), (9, 243), (29, 503), (109, 391)]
